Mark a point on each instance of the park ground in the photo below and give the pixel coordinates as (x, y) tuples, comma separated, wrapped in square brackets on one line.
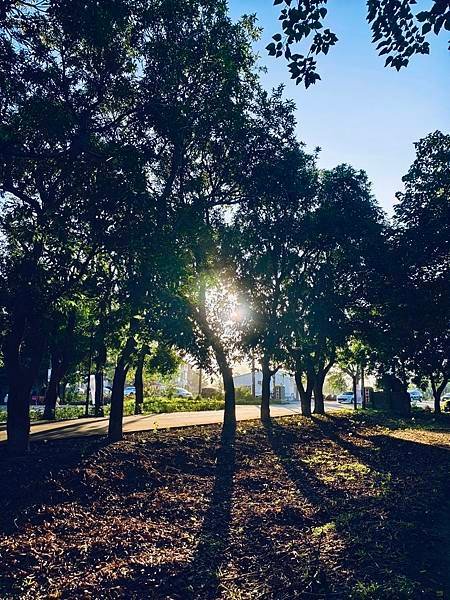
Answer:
[(343, 506)]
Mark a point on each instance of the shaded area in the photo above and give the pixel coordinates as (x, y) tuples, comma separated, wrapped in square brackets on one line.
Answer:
[(300, 508)]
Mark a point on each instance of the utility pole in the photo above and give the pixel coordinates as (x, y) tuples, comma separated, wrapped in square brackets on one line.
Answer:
[(253, 377), (200, 382)]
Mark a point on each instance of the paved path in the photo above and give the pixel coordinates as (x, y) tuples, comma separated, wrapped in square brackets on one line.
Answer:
[(78, 427)]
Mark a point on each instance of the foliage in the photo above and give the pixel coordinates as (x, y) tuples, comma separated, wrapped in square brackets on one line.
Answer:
[(398, 32)]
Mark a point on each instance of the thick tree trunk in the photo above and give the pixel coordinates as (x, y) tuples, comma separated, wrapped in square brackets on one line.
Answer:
[(265, 392), (437, 402), (229, 417), (139, 383), (18, 423), (21, 371), (319, 405), (51, 394), (115, 429), (305, 393)]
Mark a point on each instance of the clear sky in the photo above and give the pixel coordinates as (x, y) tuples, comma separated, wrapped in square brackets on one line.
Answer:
[(362, 113)]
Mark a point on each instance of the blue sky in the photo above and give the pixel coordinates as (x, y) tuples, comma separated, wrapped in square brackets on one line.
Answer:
[(362, 113)]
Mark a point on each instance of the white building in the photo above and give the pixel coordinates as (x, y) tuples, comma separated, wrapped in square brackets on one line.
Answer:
[(282, 384)]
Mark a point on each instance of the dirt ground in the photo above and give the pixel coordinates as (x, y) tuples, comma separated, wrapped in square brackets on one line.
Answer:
[(337, 507)]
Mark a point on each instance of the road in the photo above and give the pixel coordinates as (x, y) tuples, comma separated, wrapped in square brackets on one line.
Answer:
[(43, 430)]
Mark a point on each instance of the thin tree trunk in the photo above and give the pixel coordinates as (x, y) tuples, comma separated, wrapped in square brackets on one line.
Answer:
[(98, 398), (265, 392), (139, 382), (355, 384), (363, 385), (115, 429), (229, 418), (100, 361)]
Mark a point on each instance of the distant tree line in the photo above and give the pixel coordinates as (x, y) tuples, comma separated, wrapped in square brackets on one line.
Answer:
[(155, 199)]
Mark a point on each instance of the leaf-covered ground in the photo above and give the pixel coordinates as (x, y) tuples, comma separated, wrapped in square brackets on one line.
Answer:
[(325, 508)]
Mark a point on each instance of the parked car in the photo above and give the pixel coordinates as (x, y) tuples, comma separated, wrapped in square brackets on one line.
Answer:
[(130, 390), (345, 398), (445, 399), (180, 392), (415, 395)]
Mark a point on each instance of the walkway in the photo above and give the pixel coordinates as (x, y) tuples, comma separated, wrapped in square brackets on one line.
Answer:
[(80, 427)]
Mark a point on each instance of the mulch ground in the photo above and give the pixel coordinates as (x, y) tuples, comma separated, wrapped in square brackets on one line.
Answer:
[(326, 508)]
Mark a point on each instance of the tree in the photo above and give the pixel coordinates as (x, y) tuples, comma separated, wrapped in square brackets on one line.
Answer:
[(154, 359), (262, 241), (398, 32), (67, 346), (352, 359), (328, 298), (422, 218), (101, 108), (336, 382)]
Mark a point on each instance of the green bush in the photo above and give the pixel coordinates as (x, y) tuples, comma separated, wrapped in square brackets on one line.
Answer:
[(244, 395), (163, 404)]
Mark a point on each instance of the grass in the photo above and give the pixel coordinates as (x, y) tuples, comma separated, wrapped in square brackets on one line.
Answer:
[(345, 506)]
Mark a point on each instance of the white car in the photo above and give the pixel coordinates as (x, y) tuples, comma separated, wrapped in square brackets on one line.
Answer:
[(182, 393), (345, 398), (129, 391)]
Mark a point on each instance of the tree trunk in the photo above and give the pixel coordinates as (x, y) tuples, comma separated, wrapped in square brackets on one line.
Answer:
[(319, 405), (363, 385), (100, 361), (20, 379), (18, 423), (229, 418), (51, 394), (437, 392), (98, 398), (355, 384), (437, 402), (139, 383), (305, 393), (115, 429), (265, 392)]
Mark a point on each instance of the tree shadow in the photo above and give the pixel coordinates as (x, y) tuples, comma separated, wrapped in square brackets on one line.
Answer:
[(200, 579), (32, 481), (390, 531)]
